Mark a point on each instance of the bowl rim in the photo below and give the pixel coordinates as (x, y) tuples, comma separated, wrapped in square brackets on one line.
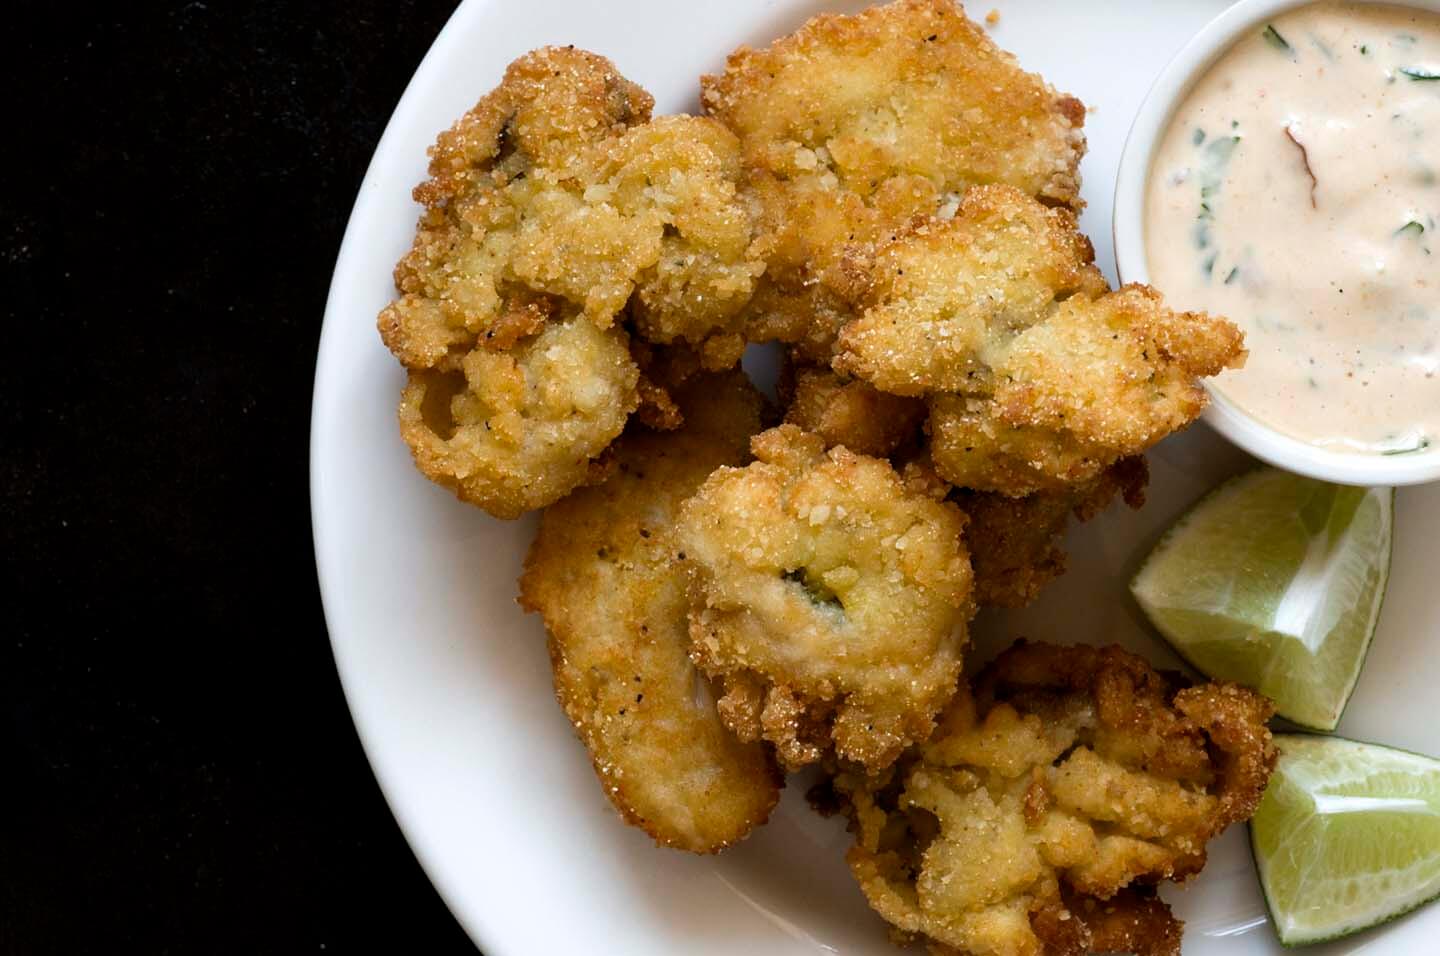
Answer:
[(1128, 232)]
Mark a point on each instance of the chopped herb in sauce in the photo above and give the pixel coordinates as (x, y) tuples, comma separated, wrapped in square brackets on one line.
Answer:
[(1221, 149), (1411, 228), (1272, 36), (1421, 73), (1199, 136), (1230, 277), (1213, 158)]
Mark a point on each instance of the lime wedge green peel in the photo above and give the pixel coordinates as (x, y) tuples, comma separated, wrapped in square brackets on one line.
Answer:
[(1347, 837), (1275, 581)]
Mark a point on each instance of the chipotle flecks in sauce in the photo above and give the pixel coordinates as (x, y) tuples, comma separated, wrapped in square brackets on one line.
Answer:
[(1297, 191)]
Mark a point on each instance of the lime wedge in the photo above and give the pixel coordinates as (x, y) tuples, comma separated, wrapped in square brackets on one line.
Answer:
[(1275, 581), (1348, 836)]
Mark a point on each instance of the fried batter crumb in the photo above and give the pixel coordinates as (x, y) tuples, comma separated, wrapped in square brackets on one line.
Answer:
[(1037, 377), (603, 574), (1050, 800), (515, 430), (945, 299), (853, 125), (992, 18), (1098, 380), (557, 195), (497, 177), (829, 599), (849, 412), (558, 182)]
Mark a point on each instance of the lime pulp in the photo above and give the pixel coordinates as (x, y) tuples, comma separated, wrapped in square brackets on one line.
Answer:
[(1347, 836), (1275, 581)]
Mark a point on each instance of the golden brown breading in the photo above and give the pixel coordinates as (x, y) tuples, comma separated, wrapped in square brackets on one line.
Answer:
[(557, 195), (1014, 543), (516, 430), (1098, 380), (654, 213), (945, 299), (551, 106), (684, 169), (457, 282), (1069, 775), (1037, 377), (849, 412), (854, 124), (911, 87), (604, 575), (558, 182), (829, 599), (662, 370), (1134, 920)]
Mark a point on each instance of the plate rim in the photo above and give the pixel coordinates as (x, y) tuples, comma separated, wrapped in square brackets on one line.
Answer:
[(486, 928)]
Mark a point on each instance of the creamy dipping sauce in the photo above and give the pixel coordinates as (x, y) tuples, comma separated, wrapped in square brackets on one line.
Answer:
[(1296, 192)]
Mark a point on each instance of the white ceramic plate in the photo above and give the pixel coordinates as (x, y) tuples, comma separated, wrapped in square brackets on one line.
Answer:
[(449, 682)]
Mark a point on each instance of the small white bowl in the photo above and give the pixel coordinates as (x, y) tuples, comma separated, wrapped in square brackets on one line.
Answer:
[(1168, 91)]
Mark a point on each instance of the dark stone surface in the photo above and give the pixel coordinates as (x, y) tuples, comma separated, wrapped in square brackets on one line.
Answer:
[(180, 774)]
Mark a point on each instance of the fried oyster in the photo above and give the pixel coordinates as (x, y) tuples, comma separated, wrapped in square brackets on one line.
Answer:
[(945, 299), (518, 429), (558, 201), (829, 599), (853, 125), (1038, 818), (849, 412), (604, 575), (1037, 377), (1014, 544)]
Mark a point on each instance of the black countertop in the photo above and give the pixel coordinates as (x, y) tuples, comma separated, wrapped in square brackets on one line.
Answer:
[(180, 774)]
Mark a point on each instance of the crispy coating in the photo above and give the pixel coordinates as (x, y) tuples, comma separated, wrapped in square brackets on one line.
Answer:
[(852, 125), (662, 371), (516, 430), (603, 573), (1014, 543), (849, 412), (678, 174), (1099, 380), (1134, 920), (654, 214), (558, 182), (558, 195), (1070, 774), (1037, 377), (551, 106), (829, 599), (458, 282), (946, 299)]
